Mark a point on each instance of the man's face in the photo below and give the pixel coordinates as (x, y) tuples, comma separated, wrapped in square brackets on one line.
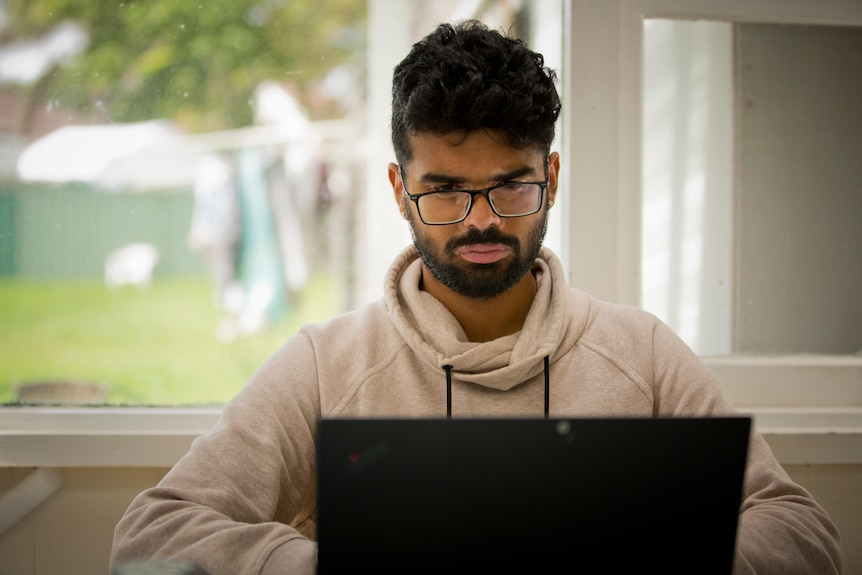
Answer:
[(484, 255)]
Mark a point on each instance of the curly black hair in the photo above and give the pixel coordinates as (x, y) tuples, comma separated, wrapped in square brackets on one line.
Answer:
[(464, 77)]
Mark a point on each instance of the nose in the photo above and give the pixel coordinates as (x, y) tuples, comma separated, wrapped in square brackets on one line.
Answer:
[(481, 214)]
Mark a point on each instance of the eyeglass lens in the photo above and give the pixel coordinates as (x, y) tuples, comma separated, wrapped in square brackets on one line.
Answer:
[(510, 200)]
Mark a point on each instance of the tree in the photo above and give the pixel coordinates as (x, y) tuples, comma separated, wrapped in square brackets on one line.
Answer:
[(194, 61)]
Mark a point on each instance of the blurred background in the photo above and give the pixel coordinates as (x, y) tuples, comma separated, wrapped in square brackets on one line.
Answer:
[(183, 184)]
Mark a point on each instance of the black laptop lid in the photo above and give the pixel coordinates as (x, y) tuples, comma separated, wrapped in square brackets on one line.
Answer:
[(529, 495)]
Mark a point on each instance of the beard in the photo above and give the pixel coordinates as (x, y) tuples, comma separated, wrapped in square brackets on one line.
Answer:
[(480, 281)]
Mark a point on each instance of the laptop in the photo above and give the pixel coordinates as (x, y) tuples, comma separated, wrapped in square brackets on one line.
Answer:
[(609, 495)]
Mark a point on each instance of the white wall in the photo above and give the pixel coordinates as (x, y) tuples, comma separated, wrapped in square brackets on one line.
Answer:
[(800, 197)]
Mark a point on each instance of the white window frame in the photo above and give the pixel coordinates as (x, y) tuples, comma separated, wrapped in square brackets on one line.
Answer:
[(604, 162)]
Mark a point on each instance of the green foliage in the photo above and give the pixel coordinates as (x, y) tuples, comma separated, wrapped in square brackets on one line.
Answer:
[(153, 346), (197, 61)]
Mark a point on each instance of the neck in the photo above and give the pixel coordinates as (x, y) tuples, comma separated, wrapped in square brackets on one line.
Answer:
[(486, 319)]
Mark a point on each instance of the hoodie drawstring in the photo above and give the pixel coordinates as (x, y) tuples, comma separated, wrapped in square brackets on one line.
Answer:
[(547, 387), (448, 369)]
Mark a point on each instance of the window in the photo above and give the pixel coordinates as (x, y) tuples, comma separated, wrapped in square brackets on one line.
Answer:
[(608, 163), (184, 184), (750, 235)]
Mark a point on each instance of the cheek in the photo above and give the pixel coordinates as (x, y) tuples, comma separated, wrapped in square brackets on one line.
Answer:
[(430, 236)]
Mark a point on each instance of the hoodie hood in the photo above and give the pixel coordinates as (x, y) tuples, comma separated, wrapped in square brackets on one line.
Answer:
[(438, 339)]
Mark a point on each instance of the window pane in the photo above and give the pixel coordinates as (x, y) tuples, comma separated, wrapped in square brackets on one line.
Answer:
[(751, 186), (173, 172), (687, 189), (800, 122), (183, 183)]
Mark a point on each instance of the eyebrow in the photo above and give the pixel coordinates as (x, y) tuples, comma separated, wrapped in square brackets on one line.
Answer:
[(432, 178)]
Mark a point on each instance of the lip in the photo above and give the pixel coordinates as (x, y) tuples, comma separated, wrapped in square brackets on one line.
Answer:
[(484, 253)]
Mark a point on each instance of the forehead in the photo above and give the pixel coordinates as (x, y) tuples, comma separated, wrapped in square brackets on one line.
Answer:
[(475, 155)]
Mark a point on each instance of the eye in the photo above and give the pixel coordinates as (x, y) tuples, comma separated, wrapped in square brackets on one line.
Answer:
[(443, 188), (444, 195), (514, 188)]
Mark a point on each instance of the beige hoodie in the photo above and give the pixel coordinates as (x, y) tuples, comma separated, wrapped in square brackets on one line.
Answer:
[(242, 500)]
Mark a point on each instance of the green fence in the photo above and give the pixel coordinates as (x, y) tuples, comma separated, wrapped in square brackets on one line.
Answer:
[(65, 232), (8, 238)]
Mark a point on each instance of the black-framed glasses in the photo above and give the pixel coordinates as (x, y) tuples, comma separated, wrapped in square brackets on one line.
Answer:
[(450, 206)]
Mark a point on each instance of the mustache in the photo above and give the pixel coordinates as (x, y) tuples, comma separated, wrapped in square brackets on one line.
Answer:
[(489, 235)]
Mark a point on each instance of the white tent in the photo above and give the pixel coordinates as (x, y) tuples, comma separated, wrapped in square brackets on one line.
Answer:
[(136, 156)]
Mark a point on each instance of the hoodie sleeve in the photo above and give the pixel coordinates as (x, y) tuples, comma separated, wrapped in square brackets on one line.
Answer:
[(242, 499), (782, 529)]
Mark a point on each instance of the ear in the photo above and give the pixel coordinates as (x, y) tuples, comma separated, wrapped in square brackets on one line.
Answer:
[(398, 189), (553, 173)]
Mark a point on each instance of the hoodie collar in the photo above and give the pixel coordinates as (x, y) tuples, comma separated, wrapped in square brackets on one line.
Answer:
[(438, 339)]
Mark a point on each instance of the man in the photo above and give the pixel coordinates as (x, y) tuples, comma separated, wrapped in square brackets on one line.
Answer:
[(474, 317)]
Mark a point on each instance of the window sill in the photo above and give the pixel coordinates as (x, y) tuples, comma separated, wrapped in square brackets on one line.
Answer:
[(158, 437), (100, 436), (811, 381)]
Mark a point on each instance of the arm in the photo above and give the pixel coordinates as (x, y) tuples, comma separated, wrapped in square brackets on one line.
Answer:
[(782, 529), (241, 501)]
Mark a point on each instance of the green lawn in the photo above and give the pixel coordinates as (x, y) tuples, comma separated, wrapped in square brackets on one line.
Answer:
[(152, 346)]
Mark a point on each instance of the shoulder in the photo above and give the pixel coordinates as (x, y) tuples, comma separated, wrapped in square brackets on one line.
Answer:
[(366, 325), (321, 361), (614, 323), (346, 344), (632, 336)]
